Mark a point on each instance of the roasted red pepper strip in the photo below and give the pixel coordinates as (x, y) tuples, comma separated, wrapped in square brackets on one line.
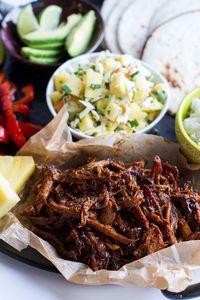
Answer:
[(3, 135), (28, 92), (23, 109), (11, 122), (2, 121), (29, 129)]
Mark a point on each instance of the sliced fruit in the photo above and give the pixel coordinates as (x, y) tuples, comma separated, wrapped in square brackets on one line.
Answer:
[(80, 36), (44, 60), (27, 52), (2, 53), (8, 197), (55, 36), (47, 46), (17, 170), (50, 17), (27, 21)]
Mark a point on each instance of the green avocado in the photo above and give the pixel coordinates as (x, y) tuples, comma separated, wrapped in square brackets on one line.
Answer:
[(57, 35), (79, 38)]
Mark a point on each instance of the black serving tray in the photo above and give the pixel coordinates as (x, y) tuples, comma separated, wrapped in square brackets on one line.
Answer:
[(40, 114)]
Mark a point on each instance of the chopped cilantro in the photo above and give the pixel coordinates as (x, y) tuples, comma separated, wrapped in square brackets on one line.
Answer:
[(134, 123), (93, 67), (80, 72), (66, 89), (95, 86), (77, 117), (131, 77), (160, 96), (119, 128), (107, 84)]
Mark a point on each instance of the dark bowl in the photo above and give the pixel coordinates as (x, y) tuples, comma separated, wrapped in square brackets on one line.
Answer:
[(13, 44)]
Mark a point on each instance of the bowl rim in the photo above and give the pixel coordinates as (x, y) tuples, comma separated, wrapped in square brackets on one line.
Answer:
[(80, 135), (179, 119), (24, 60)]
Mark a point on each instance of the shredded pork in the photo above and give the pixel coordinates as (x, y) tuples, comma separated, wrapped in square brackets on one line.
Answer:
[(108, 213)]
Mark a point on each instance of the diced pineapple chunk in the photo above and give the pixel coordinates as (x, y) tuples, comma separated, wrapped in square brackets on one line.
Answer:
[(128, 129), (109, 64), (102, 104), (159, 87), (17, 170), (56, 96), (118, 85), (76, 85), (93, 84), (141, 88), (111, 126), (86, 123), (142, 124), (125, 60), (8, 197), (59, 80), (151, 104), (135, 112), (112, 111)]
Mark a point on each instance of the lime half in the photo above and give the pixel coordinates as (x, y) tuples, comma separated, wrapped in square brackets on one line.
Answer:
[(2, 53), (50, 17), (27, 21)]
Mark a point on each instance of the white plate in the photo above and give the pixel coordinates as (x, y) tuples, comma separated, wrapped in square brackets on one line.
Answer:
[(72, 64)]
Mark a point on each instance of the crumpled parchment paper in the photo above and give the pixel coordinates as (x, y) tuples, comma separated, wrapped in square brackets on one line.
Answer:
[(170, 268)]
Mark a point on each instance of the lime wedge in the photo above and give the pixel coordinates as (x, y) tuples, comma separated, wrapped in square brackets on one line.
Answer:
[(27, 21), (2, 53), (50, 17)]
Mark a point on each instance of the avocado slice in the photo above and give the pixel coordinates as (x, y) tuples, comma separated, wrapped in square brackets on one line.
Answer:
[(49, 17), (44, 60), (52, 36), (27, 52), (79, 38), (47, 46)]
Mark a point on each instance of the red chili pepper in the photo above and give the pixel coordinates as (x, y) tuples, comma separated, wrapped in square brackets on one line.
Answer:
[(3, 135), (11, 122), (29, 129), (23, 109), (28, 92)]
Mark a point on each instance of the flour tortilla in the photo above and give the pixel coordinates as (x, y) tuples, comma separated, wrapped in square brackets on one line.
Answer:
[(173, 50), (107, 7), (134, 24), (112, 24), (173, 8)]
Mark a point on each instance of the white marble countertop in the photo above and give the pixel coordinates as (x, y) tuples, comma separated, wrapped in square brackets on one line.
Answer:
[(22, 282)]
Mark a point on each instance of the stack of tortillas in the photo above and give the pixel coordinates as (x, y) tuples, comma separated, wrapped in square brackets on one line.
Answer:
[(163, 33)]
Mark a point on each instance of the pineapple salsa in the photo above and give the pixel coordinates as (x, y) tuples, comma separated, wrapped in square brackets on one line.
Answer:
[(108, 95)]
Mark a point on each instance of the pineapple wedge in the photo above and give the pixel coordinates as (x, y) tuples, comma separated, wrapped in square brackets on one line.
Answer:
[(8, 197), (17, 170)]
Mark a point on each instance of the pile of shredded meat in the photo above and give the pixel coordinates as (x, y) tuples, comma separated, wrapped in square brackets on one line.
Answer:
[(108, 213)]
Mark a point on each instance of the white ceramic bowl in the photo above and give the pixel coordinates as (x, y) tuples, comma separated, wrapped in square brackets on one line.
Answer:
[(71, 65)]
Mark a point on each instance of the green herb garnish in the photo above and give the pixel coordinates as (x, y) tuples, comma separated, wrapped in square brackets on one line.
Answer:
[(160, 96), (80, 72), (66, 89), (93, 67), (107, 84), (119, 128), (133, 123), (95, 86), (131, 77)]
